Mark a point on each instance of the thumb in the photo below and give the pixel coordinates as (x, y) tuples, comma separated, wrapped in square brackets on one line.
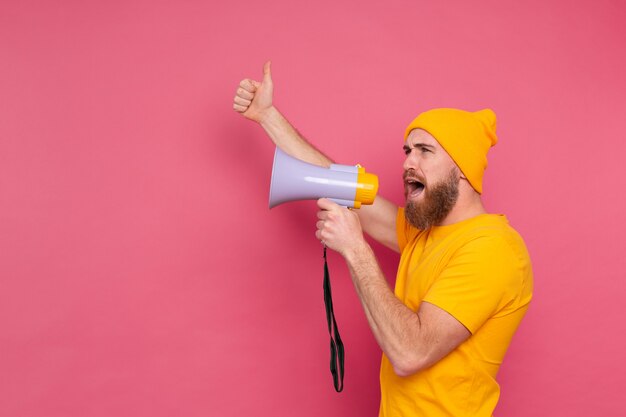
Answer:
[(267, 72)]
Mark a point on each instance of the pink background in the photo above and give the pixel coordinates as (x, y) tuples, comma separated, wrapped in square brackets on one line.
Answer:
[(142, 273)]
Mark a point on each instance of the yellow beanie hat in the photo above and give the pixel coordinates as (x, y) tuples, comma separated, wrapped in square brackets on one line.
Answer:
[(466, 136)]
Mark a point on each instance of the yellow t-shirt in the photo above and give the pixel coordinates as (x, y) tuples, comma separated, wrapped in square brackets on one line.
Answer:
[(479, 271)]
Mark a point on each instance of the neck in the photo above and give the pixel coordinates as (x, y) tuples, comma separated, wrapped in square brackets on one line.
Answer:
[(467, 206)]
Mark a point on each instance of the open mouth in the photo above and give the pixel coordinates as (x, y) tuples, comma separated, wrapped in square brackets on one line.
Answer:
[(413, 187)]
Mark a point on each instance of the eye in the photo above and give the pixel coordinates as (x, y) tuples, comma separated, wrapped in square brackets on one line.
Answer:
[(421, 148)]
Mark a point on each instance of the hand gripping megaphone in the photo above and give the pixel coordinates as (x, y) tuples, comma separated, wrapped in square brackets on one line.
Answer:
[(346, 185)]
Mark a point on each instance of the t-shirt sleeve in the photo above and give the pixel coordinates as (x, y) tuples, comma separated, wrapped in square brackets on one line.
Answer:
[(479, 280), (404, 230)]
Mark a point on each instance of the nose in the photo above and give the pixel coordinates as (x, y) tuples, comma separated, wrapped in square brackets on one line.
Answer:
[(411, 161)]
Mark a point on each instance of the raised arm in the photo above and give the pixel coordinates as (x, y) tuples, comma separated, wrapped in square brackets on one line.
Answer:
[(254, 100)]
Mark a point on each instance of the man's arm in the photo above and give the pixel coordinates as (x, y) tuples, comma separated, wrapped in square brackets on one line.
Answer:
[(254, 100), (412, 341)]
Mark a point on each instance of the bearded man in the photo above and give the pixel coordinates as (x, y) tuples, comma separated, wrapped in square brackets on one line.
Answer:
[(464, 281)]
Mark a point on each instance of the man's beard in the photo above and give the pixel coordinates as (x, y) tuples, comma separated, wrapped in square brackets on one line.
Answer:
[(439, 199)]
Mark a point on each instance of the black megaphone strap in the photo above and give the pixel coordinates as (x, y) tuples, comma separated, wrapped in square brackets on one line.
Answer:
[(337, 354)]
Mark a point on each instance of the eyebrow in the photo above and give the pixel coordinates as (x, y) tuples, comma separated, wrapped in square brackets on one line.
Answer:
[(418, 145)]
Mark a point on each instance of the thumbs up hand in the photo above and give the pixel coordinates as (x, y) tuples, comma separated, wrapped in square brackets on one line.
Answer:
[(253, 99)]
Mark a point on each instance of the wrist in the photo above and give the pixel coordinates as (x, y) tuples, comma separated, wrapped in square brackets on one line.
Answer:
[(268, 116), (358, 253)]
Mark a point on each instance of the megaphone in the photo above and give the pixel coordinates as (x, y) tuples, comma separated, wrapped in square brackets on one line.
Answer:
[(293, 179)]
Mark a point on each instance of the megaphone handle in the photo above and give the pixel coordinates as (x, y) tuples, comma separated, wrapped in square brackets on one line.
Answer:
[(337, 354)]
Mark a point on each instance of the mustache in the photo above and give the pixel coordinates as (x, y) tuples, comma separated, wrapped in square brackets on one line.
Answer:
[(410, 174)]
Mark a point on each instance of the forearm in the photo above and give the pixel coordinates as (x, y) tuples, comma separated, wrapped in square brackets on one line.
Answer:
[(288, 139), (395, 327)]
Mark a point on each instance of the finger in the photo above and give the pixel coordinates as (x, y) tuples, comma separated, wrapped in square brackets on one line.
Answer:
[(240, 109), (322, 214), (320, 225), (242, 101), (267, 72), (248, 85), (326, 204), (245, 94)]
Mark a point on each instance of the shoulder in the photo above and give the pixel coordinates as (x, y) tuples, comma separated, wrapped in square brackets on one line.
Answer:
[(495, 254), (492, 234), (488, 272)]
